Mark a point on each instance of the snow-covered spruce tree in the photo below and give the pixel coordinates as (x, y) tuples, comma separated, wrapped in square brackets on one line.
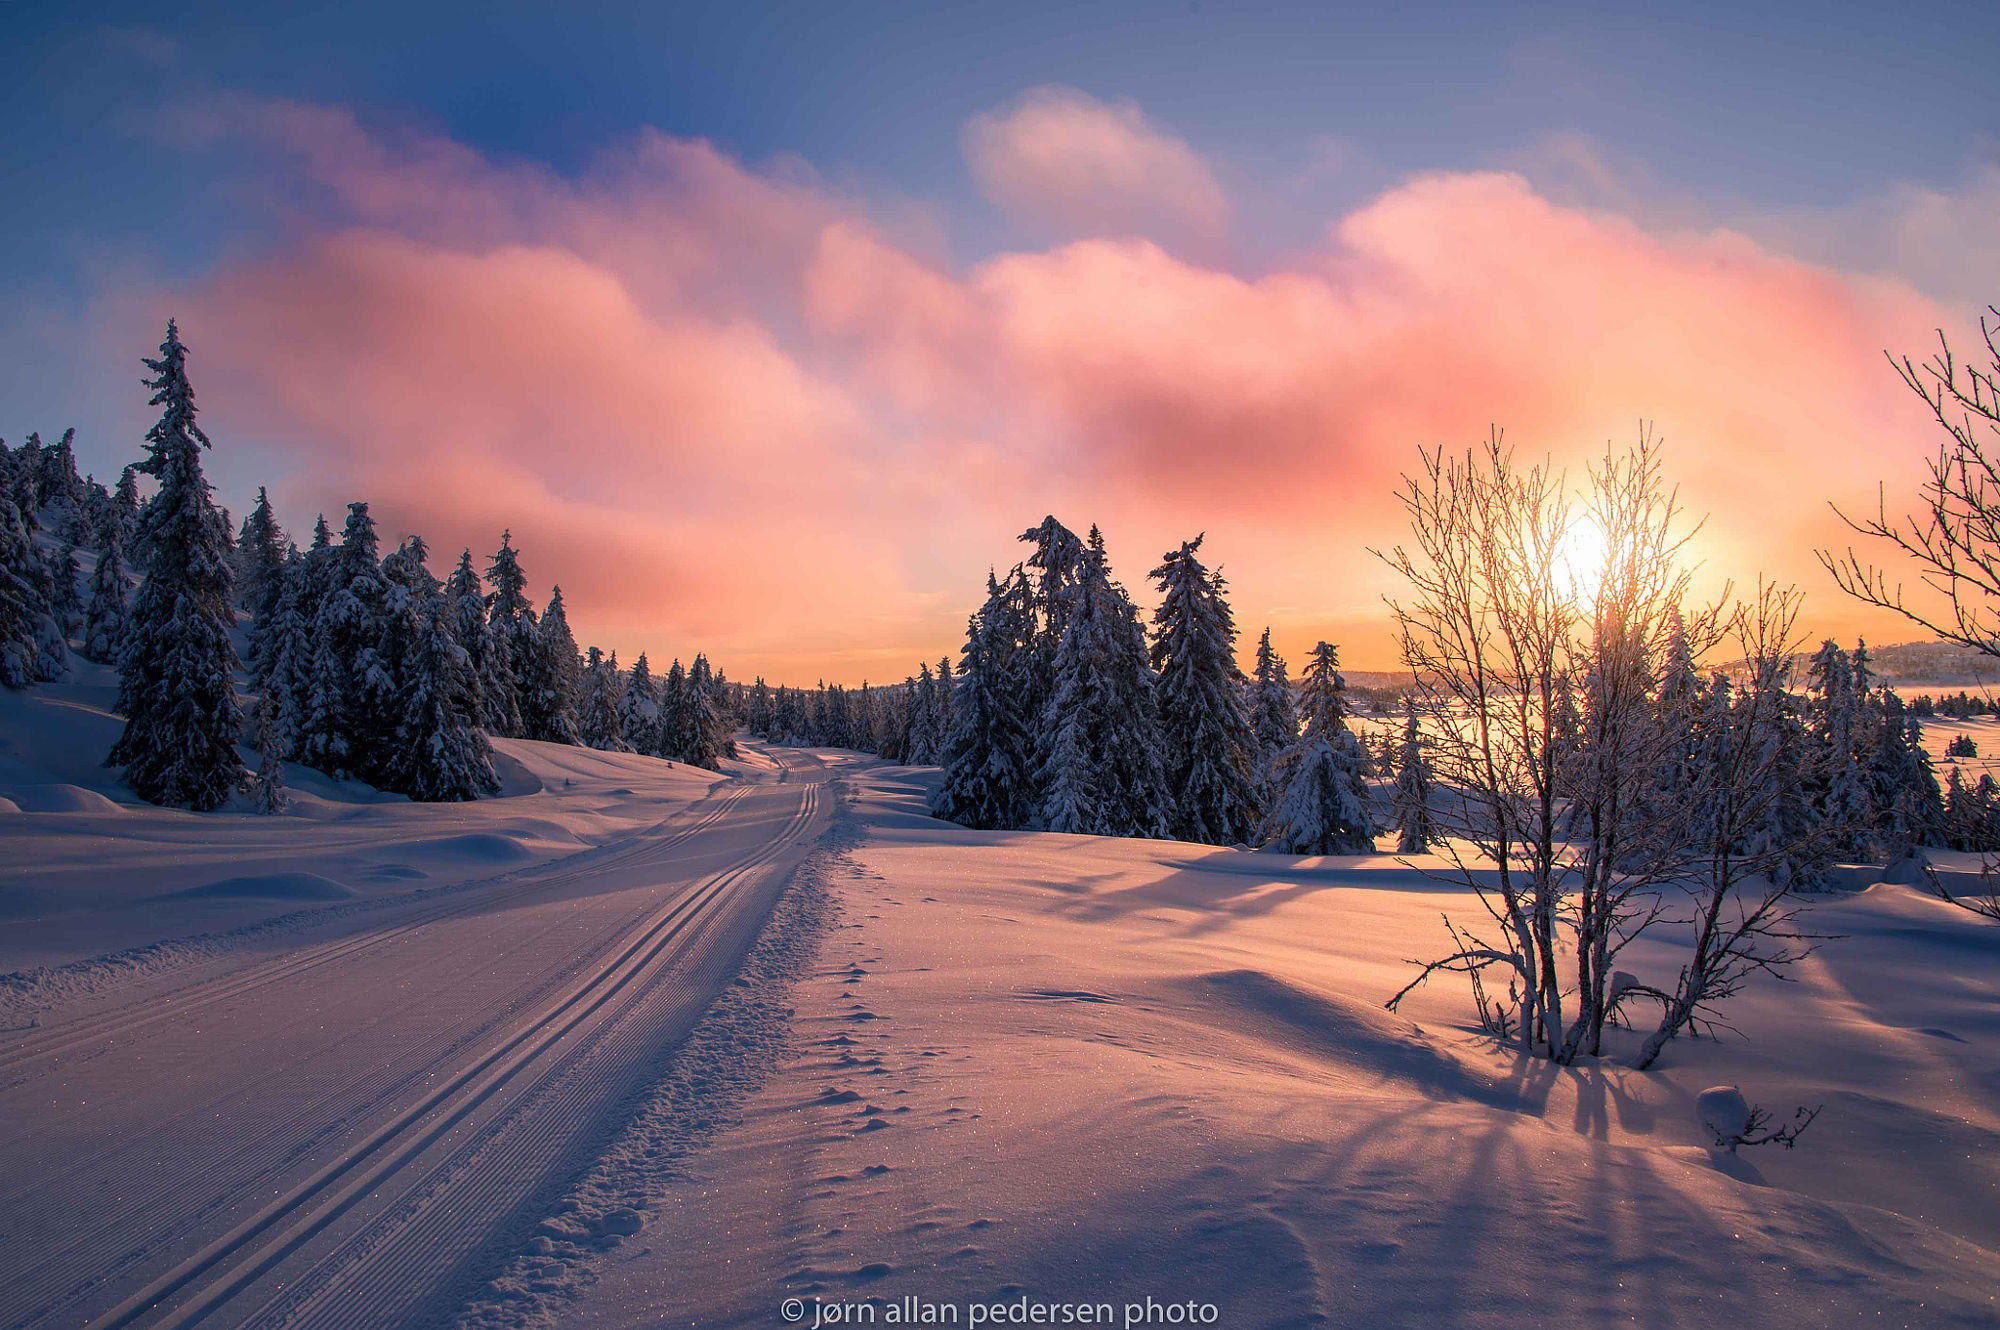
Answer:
[(125, 507), (1208, 745), (867, 720), (25, 477), (1844, 798), (510, 624), (354, 619), (1784, 831), (1320, 783), (1415, 826), (893, 743), (410, 593), (987, 760), (1957, 807), (1975, 814), (704, 730), (176, 668), (550, 673), (676, 733), (104, 616), (57, 484), (920, 750), (268, 785), (441, 754), (791, 711), (1055, 563), (289, 633), (262, 558), (1677, 694), (944, 685), (1274, 713), (1924, 792), (28, 627), (757, 709), (1387, 756), (1101, 771), (312, 716), (260, 562), (65, 603), (321, 738), (465, 597), (639, 709), (1903, 785), (598, 717), (720, 722)]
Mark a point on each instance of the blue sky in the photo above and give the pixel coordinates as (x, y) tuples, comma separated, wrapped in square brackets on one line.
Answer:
[(1753, 105)]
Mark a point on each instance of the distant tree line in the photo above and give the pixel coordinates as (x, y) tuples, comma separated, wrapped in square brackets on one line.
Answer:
[(906, 723), (1959, 706)]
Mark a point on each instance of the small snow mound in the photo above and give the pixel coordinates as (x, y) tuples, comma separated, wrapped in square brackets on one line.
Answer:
[(270, 886), (9, 806), (59, 799), (487, 847), (1909, 871), (1723, 1113)]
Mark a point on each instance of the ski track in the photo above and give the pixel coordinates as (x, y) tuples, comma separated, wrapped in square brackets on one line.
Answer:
[(27, 993), (428, 1163), (737, 1045), (172, 1006)]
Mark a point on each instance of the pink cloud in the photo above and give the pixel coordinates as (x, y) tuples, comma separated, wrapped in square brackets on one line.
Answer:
[(1065, 164), (729, 409)]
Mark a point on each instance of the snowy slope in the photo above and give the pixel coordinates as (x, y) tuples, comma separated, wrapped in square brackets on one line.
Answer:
[(1057, 1068), (97, 887)]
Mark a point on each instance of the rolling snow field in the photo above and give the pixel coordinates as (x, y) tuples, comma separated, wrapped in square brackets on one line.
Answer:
[(635, 1044), (1060, 1069)]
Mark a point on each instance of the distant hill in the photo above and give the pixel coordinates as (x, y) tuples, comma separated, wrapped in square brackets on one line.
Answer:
[(1913, 664), (1389, 680), (1926, 663)]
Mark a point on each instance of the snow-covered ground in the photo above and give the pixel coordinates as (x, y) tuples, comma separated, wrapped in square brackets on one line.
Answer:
[(352, 1103), (1064, 1070), (88, 870), (543, 1060)]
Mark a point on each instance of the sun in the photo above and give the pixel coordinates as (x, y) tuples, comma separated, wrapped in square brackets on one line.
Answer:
[(1580, 560)]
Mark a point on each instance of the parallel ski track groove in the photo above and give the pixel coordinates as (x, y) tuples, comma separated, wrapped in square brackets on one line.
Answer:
[(330, 1192), (70, 1270), (433, 1203)]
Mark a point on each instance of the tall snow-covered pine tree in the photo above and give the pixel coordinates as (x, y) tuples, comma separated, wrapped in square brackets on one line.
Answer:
[(1101, 771), (176, 670), (1209, 747)]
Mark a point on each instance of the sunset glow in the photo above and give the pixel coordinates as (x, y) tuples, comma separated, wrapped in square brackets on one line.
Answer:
[(1581, 558)]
